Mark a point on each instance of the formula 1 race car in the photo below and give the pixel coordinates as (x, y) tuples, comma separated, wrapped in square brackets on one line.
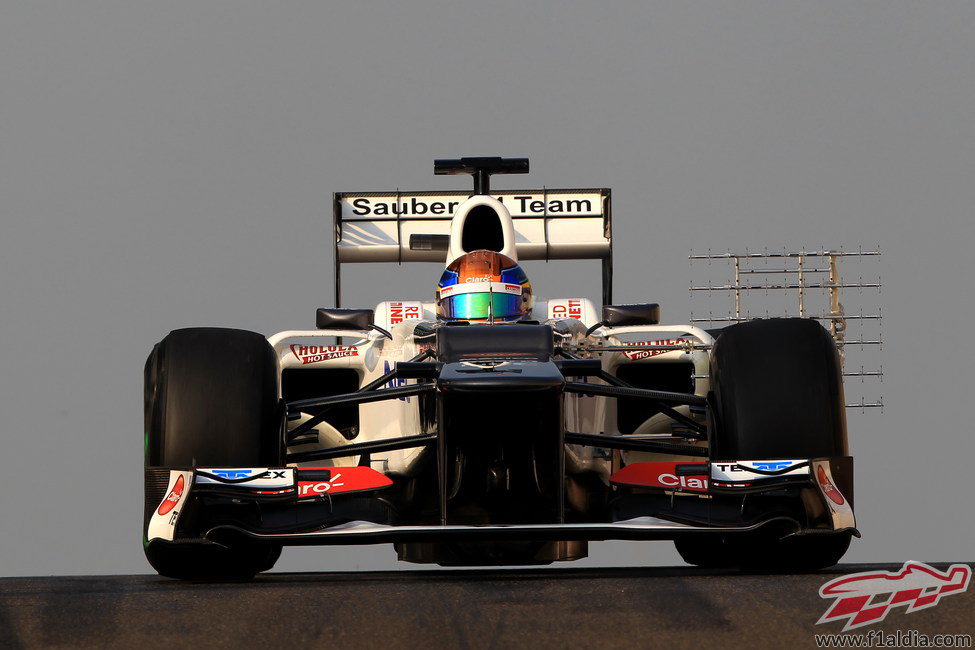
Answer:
[(492, 426)]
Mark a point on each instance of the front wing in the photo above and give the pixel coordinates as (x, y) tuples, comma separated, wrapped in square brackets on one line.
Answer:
[(281, 490)]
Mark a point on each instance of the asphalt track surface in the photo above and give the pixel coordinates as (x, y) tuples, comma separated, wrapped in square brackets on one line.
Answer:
[(676, 607)]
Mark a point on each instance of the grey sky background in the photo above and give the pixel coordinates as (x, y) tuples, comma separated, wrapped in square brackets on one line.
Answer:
[(164, 165)]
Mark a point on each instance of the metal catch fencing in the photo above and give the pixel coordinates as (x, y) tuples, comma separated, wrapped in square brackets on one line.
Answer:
[(812, 279)]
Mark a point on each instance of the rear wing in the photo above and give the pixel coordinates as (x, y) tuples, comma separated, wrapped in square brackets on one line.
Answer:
[(400, 227)]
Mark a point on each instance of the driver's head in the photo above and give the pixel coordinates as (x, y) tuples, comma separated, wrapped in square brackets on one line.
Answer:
[(484, 287)]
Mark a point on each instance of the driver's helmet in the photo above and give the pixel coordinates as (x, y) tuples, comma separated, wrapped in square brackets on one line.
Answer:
[(484, 287)]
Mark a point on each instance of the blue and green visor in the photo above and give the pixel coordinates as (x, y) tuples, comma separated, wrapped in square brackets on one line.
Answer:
[(499, 302)]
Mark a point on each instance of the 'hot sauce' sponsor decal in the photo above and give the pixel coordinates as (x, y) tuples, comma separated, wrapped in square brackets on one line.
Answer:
[(636, 355), (316, 353)]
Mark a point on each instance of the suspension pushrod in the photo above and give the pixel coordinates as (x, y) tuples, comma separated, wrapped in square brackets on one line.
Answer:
[(663, 408), (373, 385), (683, 347), (628, 444), (362, 397), (358, 448), (644, 393), (385, 379)]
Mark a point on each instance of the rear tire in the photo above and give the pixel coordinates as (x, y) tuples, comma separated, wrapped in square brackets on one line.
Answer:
[(211, 400), (777, 394)]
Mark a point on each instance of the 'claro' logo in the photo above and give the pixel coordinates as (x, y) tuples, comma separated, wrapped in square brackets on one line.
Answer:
[(173, 497), (689, 482), (664, 474)]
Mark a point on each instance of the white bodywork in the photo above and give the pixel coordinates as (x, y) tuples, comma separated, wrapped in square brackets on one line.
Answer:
[(373, 355), (546, 224)]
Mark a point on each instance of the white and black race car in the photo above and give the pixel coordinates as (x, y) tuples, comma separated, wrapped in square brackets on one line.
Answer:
[(493, 426)]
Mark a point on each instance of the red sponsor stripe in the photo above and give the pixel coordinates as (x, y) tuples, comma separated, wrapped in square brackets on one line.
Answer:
[(662, 475), (342, 479)]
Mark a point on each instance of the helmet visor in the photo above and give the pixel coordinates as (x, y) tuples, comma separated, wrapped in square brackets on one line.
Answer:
[(481, 306)]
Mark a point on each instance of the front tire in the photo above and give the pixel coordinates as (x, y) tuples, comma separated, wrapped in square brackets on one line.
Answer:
[(211, 400), (777, 394), (764, 552), (194, 561)]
